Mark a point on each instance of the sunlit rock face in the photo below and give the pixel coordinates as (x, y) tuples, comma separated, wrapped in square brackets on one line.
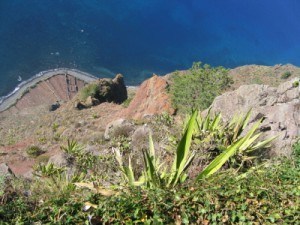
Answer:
[(279, 108)]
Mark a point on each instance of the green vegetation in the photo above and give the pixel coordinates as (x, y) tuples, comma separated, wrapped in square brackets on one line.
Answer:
[(230, 187), (196, 89), (296, 83), (89, 90), (130, 97), (269, 194), (231, 144), (78, 157), (2, 183), (34, 151), (286, 75)]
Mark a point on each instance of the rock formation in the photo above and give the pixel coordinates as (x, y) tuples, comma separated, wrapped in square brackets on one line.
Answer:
[(280, 108), (151, 98), (106, 90)]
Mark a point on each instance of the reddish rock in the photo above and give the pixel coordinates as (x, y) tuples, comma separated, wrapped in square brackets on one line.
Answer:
[(151, 98)]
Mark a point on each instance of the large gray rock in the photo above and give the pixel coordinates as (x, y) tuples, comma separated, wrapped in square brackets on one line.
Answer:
[(119, 127), (279, 106), (59, 160), (5, 171)]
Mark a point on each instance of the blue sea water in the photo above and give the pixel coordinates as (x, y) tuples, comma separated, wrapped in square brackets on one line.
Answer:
[(141, 37)]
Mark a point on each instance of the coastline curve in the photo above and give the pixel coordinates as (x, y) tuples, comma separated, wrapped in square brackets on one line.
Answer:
[(9, 100)]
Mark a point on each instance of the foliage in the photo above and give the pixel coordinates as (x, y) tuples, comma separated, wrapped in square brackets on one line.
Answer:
[(286, 75), (164, 119), (82, 159), (89, 90), (218, 138), (153, 175), (270, 195), (296, 83), (231, 144), (127, 102), (197, 88), (48, 170), (34, 151), (2, 184), (267, 194)]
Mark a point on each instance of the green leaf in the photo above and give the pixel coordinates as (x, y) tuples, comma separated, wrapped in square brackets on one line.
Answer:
[(221, 159), (183, 152)]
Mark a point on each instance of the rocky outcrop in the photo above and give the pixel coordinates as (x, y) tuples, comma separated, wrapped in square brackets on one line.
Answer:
[(107, 90), (280, 108), (151, 98)]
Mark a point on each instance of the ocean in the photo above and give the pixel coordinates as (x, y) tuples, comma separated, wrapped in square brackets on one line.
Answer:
[(140, 37)]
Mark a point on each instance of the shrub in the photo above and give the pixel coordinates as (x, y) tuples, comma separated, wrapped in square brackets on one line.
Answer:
[(34, 151), (296, 84), (89, 90), (286, 75), (196, 89)]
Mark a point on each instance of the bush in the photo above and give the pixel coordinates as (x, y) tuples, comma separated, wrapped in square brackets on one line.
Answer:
[(286, 75), (196, 89), (89, 90), (34, 151), (296, 84)]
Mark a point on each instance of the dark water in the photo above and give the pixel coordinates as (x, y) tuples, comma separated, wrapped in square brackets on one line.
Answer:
[(141, 37)]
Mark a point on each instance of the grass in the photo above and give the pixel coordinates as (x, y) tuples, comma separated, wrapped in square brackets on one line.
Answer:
[(89, 90)]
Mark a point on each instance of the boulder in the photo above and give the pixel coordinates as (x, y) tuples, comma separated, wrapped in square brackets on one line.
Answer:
[(119, 127), (280, 108), (5, 171), (59, 160), (140, 138), (151, 98)]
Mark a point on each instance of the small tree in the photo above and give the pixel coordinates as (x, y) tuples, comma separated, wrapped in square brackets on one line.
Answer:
[(196, 89)]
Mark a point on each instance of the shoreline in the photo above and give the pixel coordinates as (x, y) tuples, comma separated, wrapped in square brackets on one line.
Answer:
[(10, 99)]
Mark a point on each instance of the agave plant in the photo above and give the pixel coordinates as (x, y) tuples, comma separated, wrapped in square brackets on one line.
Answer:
[(156, 175), (127, 171), (245, 144)]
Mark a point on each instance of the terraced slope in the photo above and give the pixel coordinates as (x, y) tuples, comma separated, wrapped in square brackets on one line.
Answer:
[(46, 88)]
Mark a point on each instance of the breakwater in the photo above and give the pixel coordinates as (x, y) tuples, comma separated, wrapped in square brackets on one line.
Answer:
[(10, 99)]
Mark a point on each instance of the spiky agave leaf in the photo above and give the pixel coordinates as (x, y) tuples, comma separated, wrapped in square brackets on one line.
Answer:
[(182, 152), (221, 159)]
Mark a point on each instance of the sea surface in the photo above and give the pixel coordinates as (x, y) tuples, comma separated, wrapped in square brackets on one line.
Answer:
[(141, 37)]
